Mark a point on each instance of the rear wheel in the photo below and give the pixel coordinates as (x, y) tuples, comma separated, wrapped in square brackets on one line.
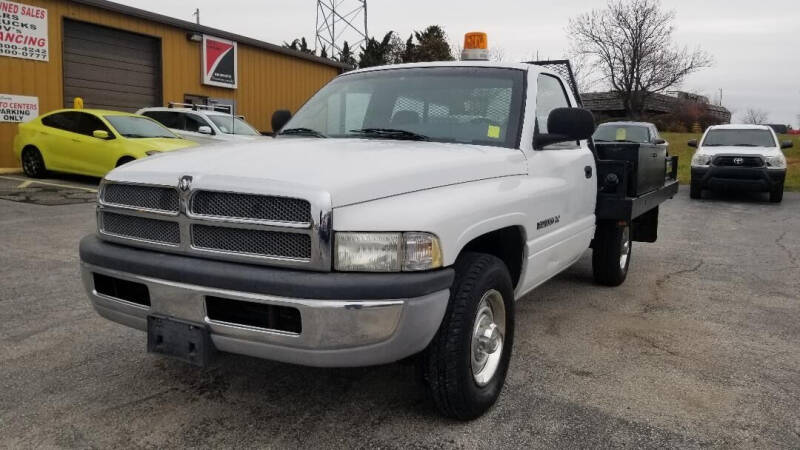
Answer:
[(695, 190), (465, 364), (776, 194), (33, 163), (611, 255)]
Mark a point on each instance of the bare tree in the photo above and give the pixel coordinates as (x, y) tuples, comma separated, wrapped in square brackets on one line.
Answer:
[(497, 54), (630, 43), (585, 77), (754, 116)]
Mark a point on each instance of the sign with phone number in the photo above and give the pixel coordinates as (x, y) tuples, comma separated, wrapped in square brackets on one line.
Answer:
[(23, 31)]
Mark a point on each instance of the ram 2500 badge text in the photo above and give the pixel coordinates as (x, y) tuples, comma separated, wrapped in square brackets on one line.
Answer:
[(399, 213)]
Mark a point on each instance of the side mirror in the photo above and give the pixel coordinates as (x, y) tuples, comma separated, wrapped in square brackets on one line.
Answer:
[(692, 143), (564, 125), (100, 134), (204, 129), (279, 119), (659, 141), (787, 144)]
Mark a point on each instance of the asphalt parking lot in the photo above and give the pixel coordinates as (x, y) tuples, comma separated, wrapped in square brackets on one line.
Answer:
[(699, 348)]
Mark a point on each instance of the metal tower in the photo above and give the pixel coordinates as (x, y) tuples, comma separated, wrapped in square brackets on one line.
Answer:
[(339, 21)]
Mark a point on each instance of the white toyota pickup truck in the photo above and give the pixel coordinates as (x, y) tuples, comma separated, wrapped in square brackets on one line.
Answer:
[(739, 157), (399, 213)]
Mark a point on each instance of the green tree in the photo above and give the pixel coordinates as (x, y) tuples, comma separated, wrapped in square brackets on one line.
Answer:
[(300, 45), (346, 55), (409, 51), (431, 45), (376, 53)]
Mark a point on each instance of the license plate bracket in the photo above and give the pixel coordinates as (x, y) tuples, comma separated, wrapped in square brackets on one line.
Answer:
[(186, 341)]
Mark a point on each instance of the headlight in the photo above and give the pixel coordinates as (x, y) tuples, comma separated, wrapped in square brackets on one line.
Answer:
[(386, 252), (152, 152), (701, 159), (775, 162)]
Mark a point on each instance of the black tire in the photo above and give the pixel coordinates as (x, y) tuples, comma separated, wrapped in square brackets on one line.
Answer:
[(776, 194), (33, 163), (447, 363), (612, 241), (695, 190), (125, 160)]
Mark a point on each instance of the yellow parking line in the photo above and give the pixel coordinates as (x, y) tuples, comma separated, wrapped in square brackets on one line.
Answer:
[(24, 184), (65, 186)]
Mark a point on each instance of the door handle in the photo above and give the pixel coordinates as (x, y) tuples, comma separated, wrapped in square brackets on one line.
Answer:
[(587, 171), (654, 155)]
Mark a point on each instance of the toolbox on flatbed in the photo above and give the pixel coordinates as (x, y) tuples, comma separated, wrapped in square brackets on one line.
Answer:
[(648, 164)]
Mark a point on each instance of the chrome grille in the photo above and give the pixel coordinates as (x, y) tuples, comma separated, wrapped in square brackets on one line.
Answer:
[(251, 206), (141, 228), (136, 196), (253, 242), (285, 226)]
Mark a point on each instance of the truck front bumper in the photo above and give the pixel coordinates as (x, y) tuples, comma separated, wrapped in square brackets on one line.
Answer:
[(756, 179), (345, 319)]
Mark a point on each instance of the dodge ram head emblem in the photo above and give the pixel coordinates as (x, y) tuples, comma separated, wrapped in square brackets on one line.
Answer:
[(738, 161), (185, 183)]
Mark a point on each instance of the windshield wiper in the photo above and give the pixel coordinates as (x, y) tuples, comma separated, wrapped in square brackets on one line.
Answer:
[(391, 133), (302, 132)]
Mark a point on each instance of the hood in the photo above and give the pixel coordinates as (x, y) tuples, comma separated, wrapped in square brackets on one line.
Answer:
[(349, 170), (733, 150), (161, 144)]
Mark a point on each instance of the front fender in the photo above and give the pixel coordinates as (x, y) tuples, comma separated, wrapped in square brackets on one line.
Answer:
[(457, 214)]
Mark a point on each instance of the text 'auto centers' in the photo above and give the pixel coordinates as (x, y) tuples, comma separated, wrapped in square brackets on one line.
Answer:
[(122, 58)]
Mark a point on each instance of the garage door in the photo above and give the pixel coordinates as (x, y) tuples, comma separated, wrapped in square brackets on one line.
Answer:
[(109, 68)]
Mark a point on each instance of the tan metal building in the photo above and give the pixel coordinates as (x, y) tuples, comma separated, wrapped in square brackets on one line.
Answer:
[(124, 58)]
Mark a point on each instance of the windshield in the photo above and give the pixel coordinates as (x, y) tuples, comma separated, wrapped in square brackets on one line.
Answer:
[(235, 126), (624, 133), (139, 127), (473, 105), (739, 138)]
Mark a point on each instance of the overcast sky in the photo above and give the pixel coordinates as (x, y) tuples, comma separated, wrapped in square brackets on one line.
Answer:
[(756, 46)]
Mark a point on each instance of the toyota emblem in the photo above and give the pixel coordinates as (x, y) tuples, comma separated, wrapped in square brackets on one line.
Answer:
[(185, 183), (738, 161)]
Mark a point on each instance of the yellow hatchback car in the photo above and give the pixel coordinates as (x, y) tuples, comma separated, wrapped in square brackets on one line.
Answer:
[(89, 141)]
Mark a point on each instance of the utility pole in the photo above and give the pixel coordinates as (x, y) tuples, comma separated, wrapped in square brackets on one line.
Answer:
[(720, 96), (337, 22), (196, 14)]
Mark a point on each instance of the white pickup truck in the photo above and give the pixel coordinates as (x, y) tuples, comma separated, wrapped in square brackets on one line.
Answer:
[(399, 213), (739, 157)]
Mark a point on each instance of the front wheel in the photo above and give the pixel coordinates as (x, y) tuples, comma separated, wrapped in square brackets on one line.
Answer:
[(776, 194), (465, 364), (695, 190), (33, 163), (611, 253)]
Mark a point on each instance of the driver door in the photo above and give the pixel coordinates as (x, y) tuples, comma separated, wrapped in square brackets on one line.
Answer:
[(562, 217)]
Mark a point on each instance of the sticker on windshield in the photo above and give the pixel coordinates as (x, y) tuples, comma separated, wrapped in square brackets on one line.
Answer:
[(494, 132), (622, 134)]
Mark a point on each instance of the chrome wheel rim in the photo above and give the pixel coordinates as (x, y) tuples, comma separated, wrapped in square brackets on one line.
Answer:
[(488, 333), (625, 248)]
